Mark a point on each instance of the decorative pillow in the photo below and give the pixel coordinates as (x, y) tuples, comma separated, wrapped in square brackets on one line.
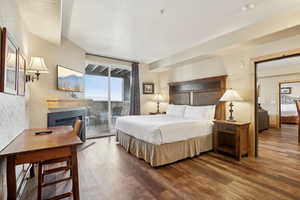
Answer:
[(200, 112), (176, 110)]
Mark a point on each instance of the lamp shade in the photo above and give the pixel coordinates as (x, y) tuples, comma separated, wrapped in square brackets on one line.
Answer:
[(231, 95), (158, 97), (37, 64)]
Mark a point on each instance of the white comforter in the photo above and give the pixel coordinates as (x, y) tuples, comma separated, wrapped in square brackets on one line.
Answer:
[(161, 129)]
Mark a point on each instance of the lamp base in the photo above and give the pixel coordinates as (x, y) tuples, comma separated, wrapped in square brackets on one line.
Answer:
[(231, 111)]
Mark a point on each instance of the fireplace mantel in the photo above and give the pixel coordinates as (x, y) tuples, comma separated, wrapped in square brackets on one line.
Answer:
[(56, 103)]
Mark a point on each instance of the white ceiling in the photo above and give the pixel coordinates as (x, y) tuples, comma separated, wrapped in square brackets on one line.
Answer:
[(136, 29), (43, 18)]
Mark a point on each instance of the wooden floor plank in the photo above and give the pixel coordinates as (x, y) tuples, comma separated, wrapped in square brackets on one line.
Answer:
[(107, 171)]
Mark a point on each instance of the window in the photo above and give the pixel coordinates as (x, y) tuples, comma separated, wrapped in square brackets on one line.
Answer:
[(96, 88), (116, 88)]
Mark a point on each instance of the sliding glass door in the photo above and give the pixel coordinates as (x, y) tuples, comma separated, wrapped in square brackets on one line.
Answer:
[(109, 89), (119, 94)]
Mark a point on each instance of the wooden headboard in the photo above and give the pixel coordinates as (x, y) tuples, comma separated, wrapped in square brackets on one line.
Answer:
[(200, 92)]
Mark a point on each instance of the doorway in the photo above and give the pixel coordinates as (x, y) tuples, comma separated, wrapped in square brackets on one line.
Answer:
[(261, 64), (289, 92)]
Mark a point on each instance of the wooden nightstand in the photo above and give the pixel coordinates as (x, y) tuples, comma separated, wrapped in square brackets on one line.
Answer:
[(231, 137)]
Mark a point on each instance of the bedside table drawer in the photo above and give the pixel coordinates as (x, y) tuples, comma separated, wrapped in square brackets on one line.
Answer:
[(228, 128)]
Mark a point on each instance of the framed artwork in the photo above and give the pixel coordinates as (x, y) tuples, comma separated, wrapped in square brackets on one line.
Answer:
[(286, 90), (148, 88), (69, 80), (9, 68), (21, 74)]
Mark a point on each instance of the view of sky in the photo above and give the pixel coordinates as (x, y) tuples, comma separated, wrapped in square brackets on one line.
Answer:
[(96, 88)]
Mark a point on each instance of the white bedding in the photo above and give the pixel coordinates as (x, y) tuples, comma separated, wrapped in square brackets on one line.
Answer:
[(288, 110), (162, 129)]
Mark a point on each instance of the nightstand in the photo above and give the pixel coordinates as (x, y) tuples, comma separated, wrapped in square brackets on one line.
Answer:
[(231, 138)]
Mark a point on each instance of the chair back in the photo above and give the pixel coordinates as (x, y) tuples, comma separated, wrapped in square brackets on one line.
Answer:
[(298, 106), (77, 127), (116, 111)]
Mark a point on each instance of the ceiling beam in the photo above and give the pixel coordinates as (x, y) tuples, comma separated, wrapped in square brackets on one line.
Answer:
[(113, 58), (103, 69), (114, 70), (124, 72), (119, 70), (94, 68)]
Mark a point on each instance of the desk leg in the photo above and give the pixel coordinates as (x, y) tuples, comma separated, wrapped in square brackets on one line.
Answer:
[(11, 178), (75, 183), (32, 171)]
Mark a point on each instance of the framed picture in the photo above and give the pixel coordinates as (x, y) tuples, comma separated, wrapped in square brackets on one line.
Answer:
[(21, 74), (286, 90), (148, 88), (9, 55), (69, 80)]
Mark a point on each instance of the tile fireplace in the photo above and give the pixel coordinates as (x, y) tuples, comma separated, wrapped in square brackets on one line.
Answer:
[(67, 118)]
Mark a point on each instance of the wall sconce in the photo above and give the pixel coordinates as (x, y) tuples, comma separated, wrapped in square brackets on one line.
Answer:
[(37, 66)]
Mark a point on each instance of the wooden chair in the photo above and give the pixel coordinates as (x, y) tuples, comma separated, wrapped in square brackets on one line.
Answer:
[(298, 110), (68, 166)]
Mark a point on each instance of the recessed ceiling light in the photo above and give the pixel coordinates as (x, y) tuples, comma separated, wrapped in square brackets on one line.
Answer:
[(251, 5), (248, 6)]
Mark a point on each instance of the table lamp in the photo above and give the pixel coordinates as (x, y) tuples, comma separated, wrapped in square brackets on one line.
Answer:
[(230, 96), (158, 98)]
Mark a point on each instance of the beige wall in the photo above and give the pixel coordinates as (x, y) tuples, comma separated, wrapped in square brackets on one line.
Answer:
[(240, 70), (68, 55), (193, 70), (147, 103)]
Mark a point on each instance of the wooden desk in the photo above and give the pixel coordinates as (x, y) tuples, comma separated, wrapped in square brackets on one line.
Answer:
[(31, 148)]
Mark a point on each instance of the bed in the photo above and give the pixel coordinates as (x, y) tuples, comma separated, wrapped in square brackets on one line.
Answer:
[(184, 132), (289, 114)]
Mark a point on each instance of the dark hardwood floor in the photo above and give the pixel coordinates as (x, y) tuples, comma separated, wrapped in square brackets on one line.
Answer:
[(108, 172)]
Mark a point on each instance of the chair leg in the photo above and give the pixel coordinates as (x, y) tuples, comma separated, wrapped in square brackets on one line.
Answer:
[(68, 163), (298, 132), (74, 172), (40, 181), (31, 172), (70, 166)]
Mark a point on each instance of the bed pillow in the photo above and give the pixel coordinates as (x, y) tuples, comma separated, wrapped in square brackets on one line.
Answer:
[(176, 110), (200, 112)]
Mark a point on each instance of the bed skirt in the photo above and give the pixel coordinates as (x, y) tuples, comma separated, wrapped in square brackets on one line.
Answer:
[(157, 155)]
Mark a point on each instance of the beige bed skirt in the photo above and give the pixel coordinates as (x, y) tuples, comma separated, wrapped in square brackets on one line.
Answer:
[(157, 155)]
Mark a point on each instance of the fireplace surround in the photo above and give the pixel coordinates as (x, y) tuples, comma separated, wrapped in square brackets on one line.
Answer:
[(67, 118)]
